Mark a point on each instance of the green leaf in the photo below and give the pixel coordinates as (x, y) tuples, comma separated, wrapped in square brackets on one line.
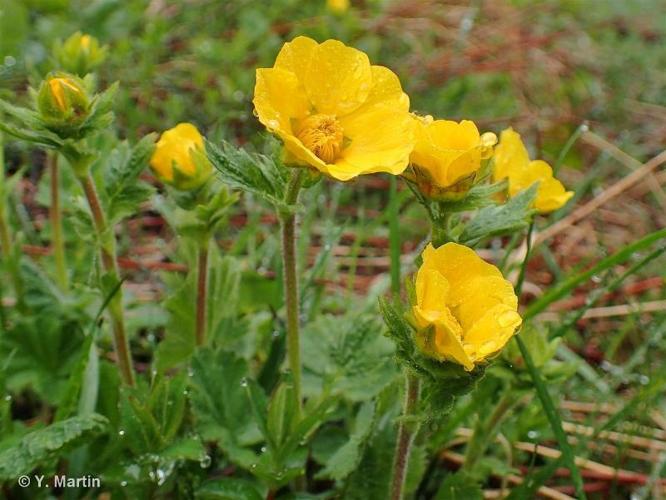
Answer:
[(283, 411), (101, 112), (229, 488), (223, 296), (345, 460), (185, 449), (254, 173), (347, 354), (220, 405), (503, 219), (459, 486), (124, 191), (50, 442)]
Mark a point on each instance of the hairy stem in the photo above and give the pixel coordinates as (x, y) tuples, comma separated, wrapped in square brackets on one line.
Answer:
[(107, 248), (202, 292), (288, 223), (406, 433), (56, 224)]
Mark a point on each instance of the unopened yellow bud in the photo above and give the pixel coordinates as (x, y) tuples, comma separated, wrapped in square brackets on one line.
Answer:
[(63, 101), (179, 158)]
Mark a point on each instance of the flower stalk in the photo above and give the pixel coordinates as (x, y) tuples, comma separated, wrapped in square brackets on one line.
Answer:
[(202, 291), (108, 255), (290, 284), (406, 433), (55, 214)]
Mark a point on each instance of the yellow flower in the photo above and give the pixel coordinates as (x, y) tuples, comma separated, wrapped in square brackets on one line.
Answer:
[(447, 152), (512, 161), (471, 308), (337, 6), (334, 111), (179, 158), (62, 100)]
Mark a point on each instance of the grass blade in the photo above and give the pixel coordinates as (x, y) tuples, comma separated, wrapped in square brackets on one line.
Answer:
[(560, 290), (553, 418)]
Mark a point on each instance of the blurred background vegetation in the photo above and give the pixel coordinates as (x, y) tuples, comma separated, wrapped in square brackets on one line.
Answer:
[(544, 67)]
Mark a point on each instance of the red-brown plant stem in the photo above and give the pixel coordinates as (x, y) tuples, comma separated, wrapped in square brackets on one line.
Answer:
[(406, 433), (107, 246)]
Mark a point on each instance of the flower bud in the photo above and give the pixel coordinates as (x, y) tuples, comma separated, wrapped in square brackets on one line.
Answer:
[(63, 101), (447, 156), (80, 53), (179, 158)]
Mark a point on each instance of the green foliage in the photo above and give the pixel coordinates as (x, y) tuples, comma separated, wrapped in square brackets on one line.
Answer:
[(254, 173), (220, 404), (223, 298), (150, 418), (229, 489), (285, 429), (43, 445), (347, 356), (509, 218), (459, 486), (124, 191), (442, 381), (346, 458)]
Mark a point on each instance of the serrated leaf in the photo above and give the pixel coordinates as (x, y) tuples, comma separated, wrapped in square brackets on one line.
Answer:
[(503, 219), (101, 114), (50, 442), (124, 192), (220, 404), (254, 173), (347, 354), (223, 295), (345, 460)]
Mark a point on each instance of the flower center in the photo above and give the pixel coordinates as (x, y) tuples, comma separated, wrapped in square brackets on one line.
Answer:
[(322, 134)]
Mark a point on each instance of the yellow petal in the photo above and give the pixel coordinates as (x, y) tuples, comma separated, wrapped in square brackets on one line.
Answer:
[(448, 151), (491, 331), (278, 99), (380, 140), (386, 89), (457, 263), (551, 194), (450, 347), (338, 79), (296, 56), (432, 291), (472, 297), (510, 155), (175, 147)]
